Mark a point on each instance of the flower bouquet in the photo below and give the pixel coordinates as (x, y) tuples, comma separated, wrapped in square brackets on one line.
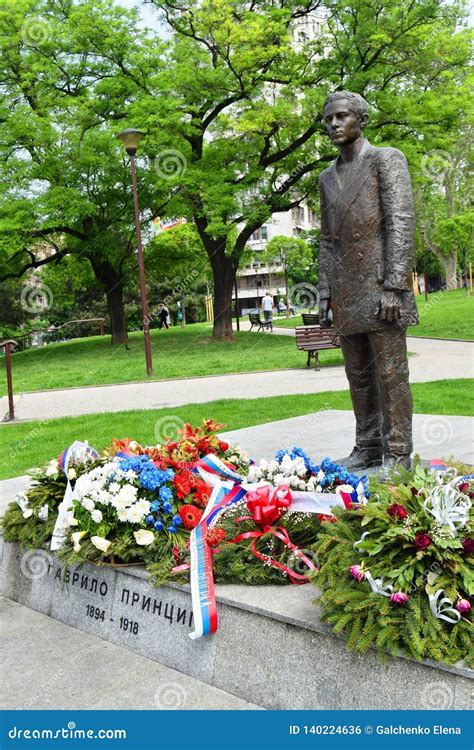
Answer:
[(397, 574)]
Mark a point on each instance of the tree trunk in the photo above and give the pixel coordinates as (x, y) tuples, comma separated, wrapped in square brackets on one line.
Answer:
[(111, 282), (449, 263), (224, 271)]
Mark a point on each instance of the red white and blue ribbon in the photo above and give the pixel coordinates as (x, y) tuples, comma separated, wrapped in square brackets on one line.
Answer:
[(77, 453), (230, 488)]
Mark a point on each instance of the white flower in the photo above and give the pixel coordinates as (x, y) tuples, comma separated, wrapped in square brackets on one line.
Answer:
[(100, 543), (294, 482), (311, 484), (96, 516), (27, 513), (272, 467), (233, 459), (76, 538), (344, 488), (71, 474), (144, 537), (114, 487), (43, 512), (135, 514), (254, 474), (279, 479), (143, 505), (320, 475), (22, 500), (263, 463), (133, 445), (88, 504), (128, 493), (319, 488), (122, 514), (52, 468), (71, 521)]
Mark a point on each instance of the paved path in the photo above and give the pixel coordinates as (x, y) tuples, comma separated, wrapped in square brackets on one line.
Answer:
[(435, 360), (49, 665)]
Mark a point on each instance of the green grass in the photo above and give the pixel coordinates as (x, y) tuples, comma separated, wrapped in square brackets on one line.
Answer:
[(445, 315), (31, 444), (177, 353)]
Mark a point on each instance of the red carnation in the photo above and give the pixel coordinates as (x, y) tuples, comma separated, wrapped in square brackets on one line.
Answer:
[(467, 545), (397, 511), (422, 540), (223, 446), (190, 516), (182, 483), (215, 537)]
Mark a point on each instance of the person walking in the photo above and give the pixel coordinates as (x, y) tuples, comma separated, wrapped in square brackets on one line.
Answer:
[(163, 316), (267, 307)]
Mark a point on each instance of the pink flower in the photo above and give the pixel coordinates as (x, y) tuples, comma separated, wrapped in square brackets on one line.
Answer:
[(357, 573), (399, 598), (463, 606)]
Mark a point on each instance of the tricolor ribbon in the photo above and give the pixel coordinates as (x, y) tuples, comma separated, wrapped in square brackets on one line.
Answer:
[(230, 488), (76, 452)]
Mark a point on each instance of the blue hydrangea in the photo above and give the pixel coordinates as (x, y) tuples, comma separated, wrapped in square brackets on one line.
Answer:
[(166, 493)]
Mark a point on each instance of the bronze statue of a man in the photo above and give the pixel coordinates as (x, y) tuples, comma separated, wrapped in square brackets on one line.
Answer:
[(366, 263)]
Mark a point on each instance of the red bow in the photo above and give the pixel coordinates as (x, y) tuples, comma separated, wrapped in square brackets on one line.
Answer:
[(266, 508)]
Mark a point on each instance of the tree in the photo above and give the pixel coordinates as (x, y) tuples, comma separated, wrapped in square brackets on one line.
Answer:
[(66, 82), (237, 126), (291, 254)]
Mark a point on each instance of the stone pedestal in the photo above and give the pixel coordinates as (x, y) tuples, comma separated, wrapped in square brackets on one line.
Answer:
[(271, 647)]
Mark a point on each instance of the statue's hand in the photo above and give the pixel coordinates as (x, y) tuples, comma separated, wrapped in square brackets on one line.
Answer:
[(323, 313), (390, 306)]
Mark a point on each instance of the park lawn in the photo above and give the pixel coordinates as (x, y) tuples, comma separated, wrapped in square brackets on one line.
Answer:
[(29, 444), (445, 315), (177, 353)]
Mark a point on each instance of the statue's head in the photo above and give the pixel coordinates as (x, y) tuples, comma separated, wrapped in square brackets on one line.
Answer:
[(345, 116)]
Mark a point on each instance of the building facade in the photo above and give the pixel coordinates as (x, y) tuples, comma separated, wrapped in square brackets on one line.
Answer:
[(255, 278)]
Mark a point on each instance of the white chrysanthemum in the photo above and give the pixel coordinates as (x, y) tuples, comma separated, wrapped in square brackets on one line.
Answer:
[(273, 467), (344, 488), (311, 484), (114, 487), (119, 503), (263, 463), (254, 474), (279, 479), (88, 504), (128, 493), (294, 482), (135, 514), (96, 516), (122, 514), (143, 506)]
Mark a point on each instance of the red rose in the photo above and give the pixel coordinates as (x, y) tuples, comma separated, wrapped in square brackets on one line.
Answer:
[(190, 516), (223, 446), (463, 487), (467, 545), (215, 537), (182, 483), (422, 540), (397, 511)]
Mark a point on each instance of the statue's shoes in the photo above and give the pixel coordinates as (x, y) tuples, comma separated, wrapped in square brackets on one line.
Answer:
[(361, 458), (391, 462)]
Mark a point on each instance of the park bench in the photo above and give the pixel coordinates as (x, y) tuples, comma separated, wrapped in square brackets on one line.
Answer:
[(261, 325), (310, 319), (313, 339)]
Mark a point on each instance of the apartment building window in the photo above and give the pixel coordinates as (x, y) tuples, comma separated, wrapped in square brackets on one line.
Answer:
[(297, 214), (259, 235), (312, 217)]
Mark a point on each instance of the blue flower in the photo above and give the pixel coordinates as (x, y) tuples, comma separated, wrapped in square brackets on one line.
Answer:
[(150, 519), (172, 529), (166, 493), (167, 507), (155, 505), (177, 519), (158, 525)]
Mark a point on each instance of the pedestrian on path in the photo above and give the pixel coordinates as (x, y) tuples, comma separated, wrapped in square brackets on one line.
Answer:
[(267, 307), (163, 316)]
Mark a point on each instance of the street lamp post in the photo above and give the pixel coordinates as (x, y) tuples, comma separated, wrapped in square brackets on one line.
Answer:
[(130, 139)]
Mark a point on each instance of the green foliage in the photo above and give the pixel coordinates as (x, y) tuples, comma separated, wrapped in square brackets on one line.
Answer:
[(370, 620)]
